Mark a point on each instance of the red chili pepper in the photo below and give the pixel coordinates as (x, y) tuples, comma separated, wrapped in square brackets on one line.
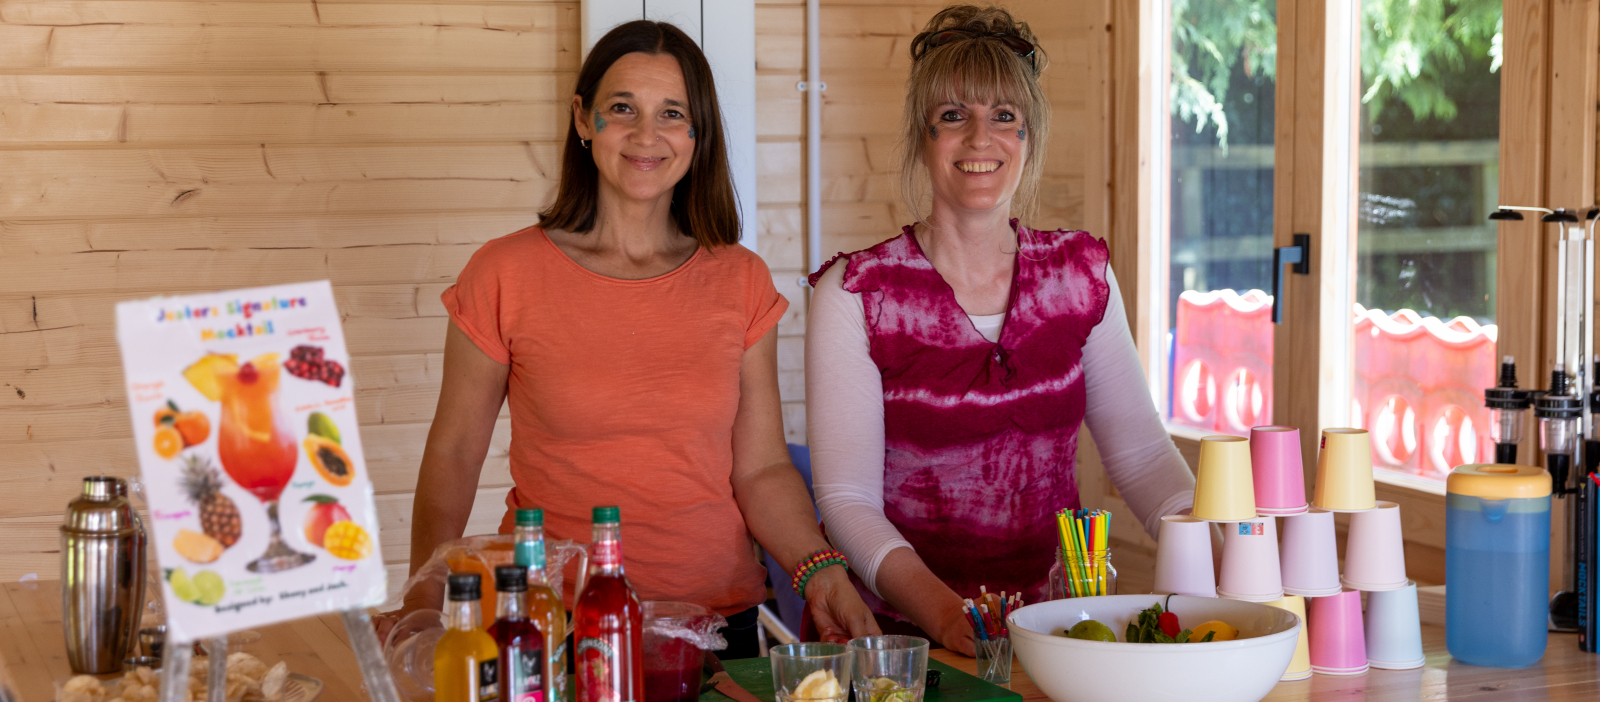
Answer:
[(1169, 624)]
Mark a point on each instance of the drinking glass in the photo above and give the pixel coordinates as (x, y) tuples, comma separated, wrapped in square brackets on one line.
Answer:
[(890, 668), (258, 450), (994, 660), (802, 672), (1083, 575)]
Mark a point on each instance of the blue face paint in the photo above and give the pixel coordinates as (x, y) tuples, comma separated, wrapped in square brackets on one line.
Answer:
[(933, 131), (1022, 134), (691, 131), (599, 123)]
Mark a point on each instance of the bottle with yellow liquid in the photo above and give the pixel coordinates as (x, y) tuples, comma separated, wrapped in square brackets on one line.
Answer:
[(466, 659), (544, 603)]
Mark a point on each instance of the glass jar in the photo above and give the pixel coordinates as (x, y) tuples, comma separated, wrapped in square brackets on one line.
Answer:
[(1083, 575)]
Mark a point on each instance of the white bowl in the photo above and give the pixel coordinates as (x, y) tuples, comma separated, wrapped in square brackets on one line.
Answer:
[(1073, 670)]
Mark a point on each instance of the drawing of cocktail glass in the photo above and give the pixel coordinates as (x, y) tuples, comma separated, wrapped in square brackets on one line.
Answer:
[(254, 442)]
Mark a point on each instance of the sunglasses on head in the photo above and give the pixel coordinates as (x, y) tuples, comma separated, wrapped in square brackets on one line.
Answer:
[(1019, 46)]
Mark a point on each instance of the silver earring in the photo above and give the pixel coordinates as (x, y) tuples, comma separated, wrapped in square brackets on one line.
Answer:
[(584, 143)]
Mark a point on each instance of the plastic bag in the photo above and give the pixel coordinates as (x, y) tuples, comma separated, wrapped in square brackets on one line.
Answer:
[(676, 637), (409, 647)]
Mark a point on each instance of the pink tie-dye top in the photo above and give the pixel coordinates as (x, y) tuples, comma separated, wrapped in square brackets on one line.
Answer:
[(981, 436)]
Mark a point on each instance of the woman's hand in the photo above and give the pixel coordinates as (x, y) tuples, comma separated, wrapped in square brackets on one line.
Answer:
[(836, 607), (955, 632)]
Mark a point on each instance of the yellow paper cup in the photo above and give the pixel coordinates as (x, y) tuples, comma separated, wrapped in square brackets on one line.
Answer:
[(1344, 472), (1224, 489), (1300, 665)]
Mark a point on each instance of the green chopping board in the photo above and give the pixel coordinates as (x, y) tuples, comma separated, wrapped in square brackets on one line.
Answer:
[(755, 676)]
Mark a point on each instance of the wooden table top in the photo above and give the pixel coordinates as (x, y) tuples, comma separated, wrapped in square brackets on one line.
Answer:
[(33, 652)]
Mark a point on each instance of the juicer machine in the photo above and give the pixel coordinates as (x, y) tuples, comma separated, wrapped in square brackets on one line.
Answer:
[(1567, 411)]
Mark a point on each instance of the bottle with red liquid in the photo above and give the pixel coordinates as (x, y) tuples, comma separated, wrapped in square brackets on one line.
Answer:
[(608, 621), (519, 640)]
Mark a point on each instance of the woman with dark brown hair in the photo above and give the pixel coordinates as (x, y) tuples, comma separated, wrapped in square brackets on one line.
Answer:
[(635, 341)]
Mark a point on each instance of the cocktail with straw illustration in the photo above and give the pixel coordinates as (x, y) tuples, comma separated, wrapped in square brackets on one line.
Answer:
[(254, 442)]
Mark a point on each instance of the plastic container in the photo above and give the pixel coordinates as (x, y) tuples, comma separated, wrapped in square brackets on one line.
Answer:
[(676, 637), (1497, 560)]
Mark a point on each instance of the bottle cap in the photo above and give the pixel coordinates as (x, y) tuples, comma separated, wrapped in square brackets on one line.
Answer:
[(465, 587), (530, 517), (511, 578), (607, 515)]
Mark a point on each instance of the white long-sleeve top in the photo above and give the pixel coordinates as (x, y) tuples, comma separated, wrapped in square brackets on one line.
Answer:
[(844, 419)]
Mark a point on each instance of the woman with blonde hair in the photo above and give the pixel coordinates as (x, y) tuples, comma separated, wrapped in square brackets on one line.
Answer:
[(950, 368)]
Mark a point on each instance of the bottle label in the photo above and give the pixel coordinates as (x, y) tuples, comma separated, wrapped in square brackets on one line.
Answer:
[(530, 554), (489, 680), (558, 666), (527, 668), (595, 671), (606, 553)]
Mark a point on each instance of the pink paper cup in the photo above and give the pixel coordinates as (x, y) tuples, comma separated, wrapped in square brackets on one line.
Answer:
[(1250, 568), (1183, 558), (1394, 629), (1275, 466), (1375, 555), (1310, 554), (1338, 642)]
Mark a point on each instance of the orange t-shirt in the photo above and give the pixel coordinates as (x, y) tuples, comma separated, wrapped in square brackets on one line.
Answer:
[(623, 392)]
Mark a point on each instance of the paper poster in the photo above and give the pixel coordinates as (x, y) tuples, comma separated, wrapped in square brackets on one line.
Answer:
[(243, 409)]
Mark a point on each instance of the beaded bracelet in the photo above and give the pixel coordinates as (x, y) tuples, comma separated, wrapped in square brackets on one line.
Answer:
[(813, 563)]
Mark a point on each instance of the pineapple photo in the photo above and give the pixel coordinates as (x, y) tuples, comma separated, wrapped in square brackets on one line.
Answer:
[(219, 516)]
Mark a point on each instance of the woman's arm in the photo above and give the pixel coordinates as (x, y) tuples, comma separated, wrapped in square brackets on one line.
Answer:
[(844, 415), (773, 497), (463, 423), (1138, 454)]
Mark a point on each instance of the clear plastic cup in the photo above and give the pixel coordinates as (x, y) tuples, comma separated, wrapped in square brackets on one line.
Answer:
[(811, 672), (994, 660), (889, 668)]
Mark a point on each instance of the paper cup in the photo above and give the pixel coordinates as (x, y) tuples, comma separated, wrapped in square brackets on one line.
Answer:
[(1280, 483), (1224, 490), (1394, 629), (1250, 568), (1310, 554), (1375, 555), (1183, 558), (1300, 665), (1344, 471), (1338, 643)]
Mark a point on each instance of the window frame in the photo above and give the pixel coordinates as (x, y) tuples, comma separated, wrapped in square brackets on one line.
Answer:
[(1316, 162)]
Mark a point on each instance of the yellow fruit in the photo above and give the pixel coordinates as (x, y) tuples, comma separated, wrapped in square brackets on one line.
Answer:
[(1223, 630), (196, 547), (347, 540), (203, 373), (168, 442)]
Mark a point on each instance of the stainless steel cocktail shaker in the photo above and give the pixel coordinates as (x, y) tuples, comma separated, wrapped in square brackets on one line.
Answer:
[(102, 576)]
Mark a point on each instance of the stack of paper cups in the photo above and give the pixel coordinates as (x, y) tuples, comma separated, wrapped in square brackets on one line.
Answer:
[(1183, 558), (1310, 554), (1344, 471), (1300, 665), (1250, 569), (1375, 556), (1280, 483), (1394, 629), (1338, 641), (1224, 490)]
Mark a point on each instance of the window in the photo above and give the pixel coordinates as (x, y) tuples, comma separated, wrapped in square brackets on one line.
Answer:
[(1424, 341), (1219, 241)]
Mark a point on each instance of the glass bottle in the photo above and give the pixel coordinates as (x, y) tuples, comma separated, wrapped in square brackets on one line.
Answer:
[(544, 603), (521, 645), (608, 621), (465, 665)]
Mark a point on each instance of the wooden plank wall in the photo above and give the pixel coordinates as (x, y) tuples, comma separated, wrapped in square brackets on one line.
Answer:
[(166, 146)]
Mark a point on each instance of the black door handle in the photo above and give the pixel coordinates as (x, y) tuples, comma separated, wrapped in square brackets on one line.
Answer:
[(1299, 256)]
